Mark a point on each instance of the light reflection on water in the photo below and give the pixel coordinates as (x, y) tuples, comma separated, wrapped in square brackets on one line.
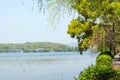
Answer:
[(43, 66)]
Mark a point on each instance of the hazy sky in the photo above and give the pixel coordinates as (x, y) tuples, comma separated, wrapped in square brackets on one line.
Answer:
[(20, 24)]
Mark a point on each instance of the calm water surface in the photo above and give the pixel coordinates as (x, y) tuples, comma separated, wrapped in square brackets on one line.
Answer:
[(43, 66)]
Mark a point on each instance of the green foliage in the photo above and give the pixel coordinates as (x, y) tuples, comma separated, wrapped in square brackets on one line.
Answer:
[(96, 20), (76, 28), (56, 9), (102, 47), (94, 17), (109, 53), (32, 46), (104, 61), (105, 73), (87, 74), (97, 73), (55, 4), (117, 77), (102, 70)]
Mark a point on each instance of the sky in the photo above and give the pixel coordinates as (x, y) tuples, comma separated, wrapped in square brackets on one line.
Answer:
[(21, 21)]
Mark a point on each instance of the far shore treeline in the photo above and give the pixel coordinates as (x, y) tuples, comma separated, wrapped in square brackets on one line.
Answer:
[(36, 47)]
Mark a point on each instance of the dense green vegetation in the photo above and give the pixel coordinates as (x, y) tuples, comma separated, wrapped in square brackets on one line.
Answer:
[(97, 24), (36, 47), (101, 71), (106, 53)]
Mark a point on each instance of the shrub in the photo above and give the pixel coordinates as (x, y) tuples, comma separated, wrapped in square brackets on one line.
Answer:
[(102, 70), (117, 76), (104, 61), (97, 73), (87, 74), (106, 53), (104, 73)]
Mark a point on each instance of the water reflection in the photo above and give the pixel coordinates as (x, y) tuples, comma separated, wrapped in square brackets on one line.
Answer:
[(43, 66)]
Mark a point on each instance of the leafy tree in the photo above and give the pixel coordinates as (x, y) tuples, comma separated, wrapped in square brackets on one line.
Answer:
[(96, 23), (56, 9)]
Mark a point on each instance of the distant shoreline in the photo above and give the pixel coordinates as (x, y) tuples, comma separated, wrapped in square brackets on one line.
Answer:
[(37, 47), (39, 52)]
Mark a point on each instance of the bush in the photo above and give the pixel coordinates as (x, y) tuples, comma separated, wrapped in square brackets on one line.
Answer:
[(87, 74), (117, 76), (105, 73), (102, 70), (97, 73), (106, 53), (104, 61)]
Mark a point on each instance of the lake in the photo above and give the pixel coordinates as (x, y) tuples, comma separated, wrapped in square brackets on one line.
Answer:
[(43, 66)]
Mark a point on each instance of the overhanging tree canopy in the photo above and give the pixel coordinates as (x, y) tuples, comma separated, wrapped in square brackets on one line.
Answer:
[(96, 21)]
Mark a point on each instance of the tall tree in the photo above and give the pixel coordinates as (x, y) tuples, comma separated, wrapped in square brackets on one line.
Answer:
[(95, 23)]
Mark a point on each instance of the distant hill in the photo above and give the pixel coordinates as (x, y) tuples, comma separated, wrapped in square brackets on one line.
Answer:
[(36, 47)]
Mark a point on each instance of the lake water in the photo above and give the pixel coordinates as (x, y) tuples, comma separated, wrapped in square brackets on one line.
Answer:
[(43, 66)]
